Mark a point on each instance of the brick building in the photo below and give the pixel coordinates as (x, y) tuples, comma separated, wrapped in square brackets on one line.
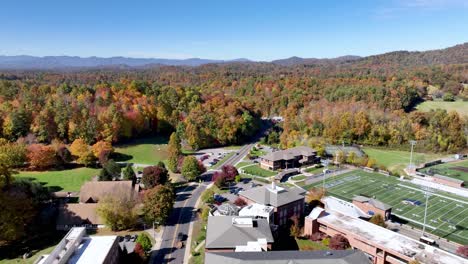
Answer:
[(289, 158), (372, 206)]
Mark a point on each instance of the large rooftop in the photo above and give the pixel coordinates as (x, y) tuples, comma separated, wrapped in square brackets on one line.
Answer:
[(232, 231), (289, 154), (334, 204), (273, 195), (293, 257), (93, 250), (391, 241)]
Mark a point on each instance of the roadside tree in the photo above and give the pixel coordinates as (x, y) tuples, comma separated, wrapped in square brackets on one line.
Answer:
[(158, 203)]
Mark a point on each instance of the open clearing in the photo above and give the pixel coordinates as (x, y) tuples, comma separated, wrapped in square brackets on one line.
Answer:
[(397, 160), (144, 151), (447, 214), (460, 106), (457, 170), (63, 180)]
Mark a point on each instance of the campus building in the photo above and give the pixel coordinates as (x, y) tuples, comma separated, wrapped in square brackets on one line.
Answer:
[(77, 248), (292, 257), (286, 202), (237, 234), (380, 244), (372, 206), (289, 158)]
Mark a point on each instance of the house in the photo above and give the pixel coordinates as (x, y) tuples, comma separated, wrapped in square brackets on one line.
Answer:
[(281, 257), (381, 245), (77, 248), (92, 192), (234, 233), (372, 206), (288, 158), (286, 202), (78, 215)]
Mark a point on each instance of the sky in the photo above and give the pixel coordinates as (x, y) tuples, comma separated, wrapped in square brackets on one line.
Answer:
[(229, 29)]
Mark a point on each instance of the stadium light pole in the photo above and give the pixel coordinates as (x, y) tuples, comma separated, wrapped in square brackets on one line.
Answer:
[(325, 173), (425, 209), (412, 142)]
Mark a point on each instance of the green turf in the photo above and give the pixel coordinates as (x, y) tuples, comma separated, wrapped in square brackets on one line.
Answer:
[(447, 213), (448, 169), (64, 180), (298, 177), (243, 163), (306, 244), (144, 151), (460, 106), (396, 160), (256, 170), (221, 161), (30, 260)]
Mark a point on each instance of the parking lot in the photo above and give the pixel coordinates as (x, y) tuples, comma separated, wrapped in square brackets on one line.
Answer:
[(236, 188), (210, 157)]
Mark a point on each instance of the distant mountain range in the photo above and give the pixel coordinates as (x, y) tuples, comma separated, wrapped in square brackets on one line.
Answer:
[(452, 55)]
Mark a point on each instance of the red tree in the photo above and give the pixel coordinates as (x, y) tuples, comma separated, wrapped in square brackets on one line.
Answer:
[(240, 202), (339, 242), (41, 157), (139, 250), (154, 175), (230, 172), (463, 250)]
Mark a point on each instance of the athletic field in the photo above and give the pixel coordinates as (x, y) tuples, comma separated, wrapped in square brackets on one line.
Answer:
[(457, 170), (447, 214)]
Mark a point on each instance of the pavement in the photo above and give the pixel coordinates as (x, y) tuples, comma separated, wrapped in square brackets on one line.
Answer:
[(179, 221), (240, 154)]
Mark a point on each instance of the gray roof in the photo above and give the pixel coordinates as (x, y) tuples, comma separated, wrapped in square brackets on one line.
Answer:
[(289, 154), (373, 202), (223, 233), (277, 197), (289, 257)]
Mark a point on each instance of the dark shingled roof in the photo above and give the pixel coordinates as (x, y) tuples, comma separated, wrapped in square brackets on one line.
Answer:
[(95, 190), (373, 202), (278, 197), (289, 154), (288, 257)]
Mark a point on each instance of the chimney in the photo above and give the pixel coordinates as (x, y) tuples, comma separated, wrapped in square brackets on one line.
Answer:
[(273, 185)]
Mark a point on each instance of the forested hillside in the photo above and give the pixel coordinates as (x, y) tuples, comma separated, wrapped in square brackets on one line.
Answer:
[(368, 101)]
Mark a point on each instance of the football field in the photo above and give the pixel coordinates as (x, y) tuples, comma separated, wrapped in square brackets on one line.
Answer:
[(447, 214)]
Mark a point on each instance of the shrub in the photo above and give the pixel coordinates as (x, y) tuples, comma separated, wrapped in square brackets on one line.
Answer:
[(240, 202), (145, 242), (207, 196), (339, 242)]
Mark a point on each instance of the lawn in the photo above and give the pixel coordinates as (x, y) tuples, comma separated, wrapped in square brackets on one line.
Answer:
[(306, 244), (450, 170), (298, 178), (30, 260), (316, 170), (447, 214), (256, 170), (64, 180), (243, 163), (144, 151), (460, 106), (397, 160)]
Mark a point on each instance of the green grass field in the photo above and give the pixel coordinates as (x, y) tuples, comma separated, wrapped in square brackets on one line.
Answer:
[(298, 178), (396, 160), (256, 170), (64, 180), (449, 169), (144, 151), (243, 163), (460, 106), (447, 215)]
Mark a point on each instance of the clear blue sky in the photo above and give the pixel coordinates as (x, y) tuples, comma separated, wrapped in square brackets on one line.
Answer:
[(228, 29)]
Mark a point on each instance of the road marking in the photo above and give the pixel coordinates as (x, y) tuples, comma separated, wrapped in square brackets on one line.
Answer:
[(178, 220)]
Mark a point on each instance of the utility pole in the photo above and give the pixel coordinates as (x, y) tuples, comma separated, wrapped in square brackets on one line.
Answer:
[(411, 166), (325, 174), (427, 194)]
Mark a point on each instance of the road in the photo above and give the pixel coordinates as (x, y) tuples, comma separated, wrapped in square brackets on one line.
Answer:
[(179, 220), (238, 156)]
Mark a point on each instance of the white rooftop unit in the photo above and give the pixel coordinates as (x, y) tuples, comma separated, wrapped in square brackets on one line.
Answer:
[(258, 211)]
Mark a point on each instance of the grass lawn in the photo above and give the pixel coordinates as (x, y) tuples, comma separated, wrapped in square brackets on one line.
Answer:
[(320, 170), (397, 160), (450, 170), (243, 163), (257, 153), (447, 214), (222, 160), (256, 170), (30, 260), (64, 180), (460, 106), (144, 151), (298, 178), (306, 244)]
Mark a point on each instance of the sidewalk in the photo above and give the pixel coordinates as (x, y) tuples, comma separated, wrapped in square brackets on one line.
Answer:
[(156, 246)]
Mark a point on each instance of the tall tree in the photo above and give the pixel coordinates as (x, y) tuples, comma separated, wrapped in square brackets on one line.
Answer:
[(82, 151), (158, 203), (129, 173), (41, 157), (119, 211), (190, 168), (154, 176), (174, 150)]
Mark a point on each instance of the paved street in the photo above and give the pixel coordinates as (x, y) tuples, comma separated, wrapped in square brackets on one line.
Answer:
[(178, 222), (241, 153)]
